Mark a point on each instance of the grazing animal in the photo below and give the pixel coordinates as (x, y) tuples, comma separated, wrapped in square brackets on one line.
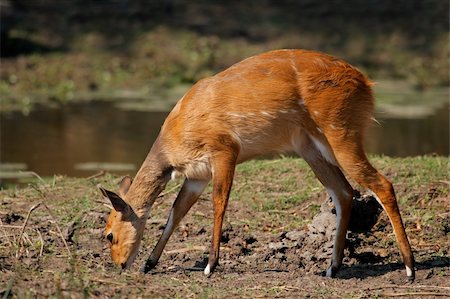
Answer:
[(305, 102)]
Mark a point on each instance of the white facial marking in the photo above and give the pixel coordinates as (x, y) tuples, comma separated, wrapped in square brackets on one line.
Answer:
[(316, 113), (333, 127), (207, 270)]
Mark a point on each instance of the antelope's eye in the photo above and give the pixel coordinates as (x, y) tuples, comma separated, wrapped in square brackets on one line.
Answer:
[(110, 237)]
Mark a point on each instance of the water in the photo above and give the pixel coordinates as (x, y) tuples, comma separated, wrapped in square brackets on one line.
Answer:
[(72, 140), (57, 141)]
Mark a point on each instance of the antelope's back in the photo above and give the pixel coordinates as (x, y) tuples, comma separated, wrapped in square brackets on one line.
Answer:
[(262, 101)]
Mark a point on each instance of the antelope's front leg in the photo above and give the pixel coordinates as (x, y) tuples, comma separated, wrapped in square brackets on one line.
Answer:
[(222, 181), (187, 196)]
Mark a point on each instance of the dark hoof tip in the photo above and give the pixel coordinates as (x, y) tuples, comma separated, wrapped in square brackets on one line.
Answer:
[(147, 267)]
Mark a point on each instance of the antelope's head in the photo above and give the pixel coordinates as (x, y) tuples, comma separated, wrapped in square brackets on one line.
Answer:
[(124, 229)]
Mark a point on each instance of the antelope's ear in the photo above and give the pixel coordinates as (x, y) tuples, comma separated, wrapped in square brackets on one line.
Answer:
[(124, 185), (118, 203)]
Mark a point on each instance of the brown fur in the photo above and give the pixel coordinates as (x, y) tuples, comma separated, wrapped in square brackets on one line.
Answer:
[(297, 101)]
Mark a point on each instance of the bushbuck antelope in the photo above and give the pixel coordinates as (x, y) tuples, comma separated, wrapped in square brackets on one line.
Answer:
[(304, 102)]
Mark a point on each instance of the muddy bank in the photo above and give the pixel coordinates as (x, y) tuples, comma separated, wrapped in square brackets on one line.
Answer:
[(279, 249)]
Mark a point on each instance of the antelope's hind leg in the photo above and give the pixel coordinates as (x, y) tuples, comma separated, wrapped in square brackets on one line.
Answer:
[(224, 166), (337, 186), (354, 162)]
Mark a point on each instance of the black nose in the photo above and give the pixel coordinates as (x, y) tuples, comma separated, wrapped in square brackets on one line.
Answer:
[(123, 265)]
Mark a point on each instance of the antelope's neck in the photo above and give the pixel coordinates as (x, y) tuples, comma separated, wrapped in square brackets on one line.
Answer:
[(149, 182)]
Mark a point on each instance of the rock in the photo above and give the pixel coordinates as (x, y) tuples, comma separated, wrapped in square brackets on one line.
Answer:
[(313, 248)]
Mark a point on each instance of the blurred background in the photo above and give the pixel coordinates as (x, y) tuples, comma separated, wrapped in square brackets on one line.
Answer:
[(85, 85)]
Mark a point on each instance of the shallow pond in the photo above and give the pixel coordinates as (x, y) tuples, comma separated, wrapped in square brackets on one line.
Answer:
[(81, 139)]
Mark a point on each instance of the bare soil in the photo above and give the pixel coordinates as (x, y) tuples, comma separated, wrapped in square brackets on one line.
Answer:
[(260, 257)]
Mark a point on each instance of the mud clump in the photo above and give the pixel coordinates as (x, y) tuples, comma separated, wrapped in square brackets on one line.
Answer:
[(311, 249), (239, 239), (365, 213), (10, 218)]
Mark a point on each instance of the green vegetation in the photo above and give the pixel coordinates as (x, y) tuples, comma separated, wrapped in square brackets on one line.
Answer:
[(104, 51)]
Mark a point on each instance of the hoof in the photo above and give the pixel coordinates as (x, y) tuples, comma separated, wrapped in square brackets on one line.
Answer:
[(331, 272), (410, 278), (410, 274), (149, 265)]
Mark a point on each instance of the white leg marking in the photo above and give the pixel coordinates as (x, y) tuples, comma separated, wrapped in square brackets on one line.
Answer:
[(408, 271), (338, 223), (169, 226), (324, 150), (329, 272), (207, 270), (376, 197)]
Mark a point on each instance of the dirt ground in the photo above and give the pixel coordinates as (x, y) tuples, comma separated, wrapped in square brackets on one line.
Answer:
[(57, 249)]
